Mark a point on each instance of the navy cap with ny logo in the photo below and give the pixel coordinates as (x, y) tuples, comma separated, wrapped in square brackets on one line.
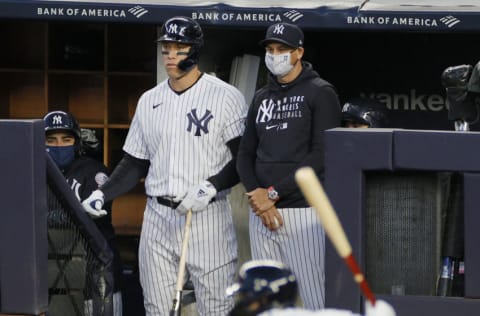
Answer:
[(286, 33)]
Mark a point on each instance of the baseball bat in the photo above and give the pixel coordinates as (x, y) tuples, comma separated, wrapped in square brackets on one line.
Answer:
[(177, 298), (450, 281), (317, 198)]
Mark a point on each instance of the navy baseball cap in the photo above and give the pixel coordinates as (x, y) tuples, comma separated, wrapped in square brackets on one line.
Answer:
[(286, 33)]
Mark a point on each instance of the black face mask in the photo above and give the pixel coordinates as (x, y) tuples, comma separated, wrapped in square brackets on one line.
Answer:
[(62, 155)]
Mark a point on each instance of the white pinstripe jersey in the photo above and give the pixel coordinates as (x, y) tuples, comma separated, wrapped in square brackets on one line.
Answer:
[(184, 135)]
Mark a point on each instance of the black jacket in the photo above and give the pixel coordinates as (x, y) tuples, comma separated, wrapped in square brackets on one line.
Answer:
[(284, 131), (84, 176)]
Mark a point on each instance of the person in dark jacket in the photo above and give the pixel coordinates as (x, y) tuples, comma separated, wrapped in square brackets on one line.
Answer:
[(284, 131), (84, 175)]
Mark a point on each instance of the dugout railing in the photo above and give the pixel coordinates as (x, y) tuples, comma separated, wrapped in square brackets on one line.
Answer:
[(80, 277)]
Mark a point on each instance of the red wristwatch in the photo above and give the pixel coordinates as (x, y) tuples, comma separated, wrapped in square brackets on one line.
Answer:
[(272, 193)]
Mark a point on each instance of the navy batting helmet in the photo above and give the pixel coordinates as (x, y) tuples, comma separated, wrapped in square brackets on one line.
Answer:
[(60, 120), (184, 30), (364, 111), (263, 285)]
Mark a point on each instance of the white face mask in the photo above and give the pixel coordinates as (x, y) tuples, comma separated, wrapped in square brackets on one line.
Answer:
[(279, 65)]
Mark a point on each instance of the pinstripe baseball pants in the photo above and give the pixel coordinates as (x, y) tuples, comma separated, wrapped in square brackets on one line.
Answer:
[(211, 258), (300, 244)]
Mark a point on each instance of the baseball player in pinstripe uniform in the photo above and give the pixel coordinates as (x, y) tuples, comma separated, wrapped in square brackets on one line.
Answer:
[(183, 138), (284, 131)]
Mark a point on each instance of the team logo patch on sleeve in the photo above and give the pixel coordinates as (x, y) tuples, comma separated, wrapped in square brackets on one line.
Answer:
[(101, 178)]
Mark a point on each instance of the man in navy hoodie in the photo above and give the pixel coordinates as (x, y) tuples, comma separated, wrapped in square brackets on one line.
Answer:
[(284, 131)]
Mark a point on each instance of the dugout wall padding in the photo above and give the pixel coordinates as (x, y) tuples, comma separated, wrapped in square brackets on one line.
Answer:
[(23, 207), (367, 169), (402, 248)]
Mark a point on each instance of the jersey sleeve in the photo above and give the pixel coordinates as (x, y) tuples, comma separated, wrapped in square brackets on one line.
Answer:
[(247, 152), (135, 144), (236, 112)]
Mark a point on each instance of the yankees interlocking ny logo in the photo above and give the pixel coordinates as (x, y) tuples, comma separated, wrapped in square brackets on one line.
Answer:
[(278, 29), (265, 111), (174, 29), (57, 119), (200, 123)]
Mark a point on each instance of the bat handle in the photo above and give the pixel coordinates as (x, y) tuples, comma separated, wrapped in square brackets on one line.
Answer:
[(177, 300), (183, 256), (359, 278), (176, 310)]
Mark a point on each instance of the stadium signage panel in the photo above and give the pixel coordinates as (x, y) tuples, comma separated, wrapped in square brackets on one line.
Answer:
[(410, 101), (386, 20), (86, 12), (238, 17), (329, 15)]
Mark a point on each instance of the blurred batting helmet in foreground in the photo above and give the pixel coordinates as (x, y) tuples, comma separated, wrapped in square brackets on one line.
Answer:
[(263, 285)]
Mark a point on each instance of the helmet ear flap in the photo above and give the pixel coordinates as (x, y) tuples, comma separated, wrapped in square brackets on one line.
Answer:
[(79, 151), (191, 60)]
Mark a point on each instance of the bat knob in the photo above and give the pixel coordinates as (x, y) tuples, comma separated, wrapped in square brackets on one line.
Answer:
[(381, 308), (176, 310)]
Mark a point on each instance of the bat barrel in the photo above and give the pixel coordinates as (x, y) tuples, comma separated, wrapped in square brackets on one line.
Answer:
[(315, 195)]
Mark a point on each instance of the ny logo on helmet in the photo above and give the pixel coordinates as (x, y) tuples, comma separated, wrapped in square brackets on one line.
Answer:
[(278, 29), (57, 119), (175, 29), (200, 123)]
